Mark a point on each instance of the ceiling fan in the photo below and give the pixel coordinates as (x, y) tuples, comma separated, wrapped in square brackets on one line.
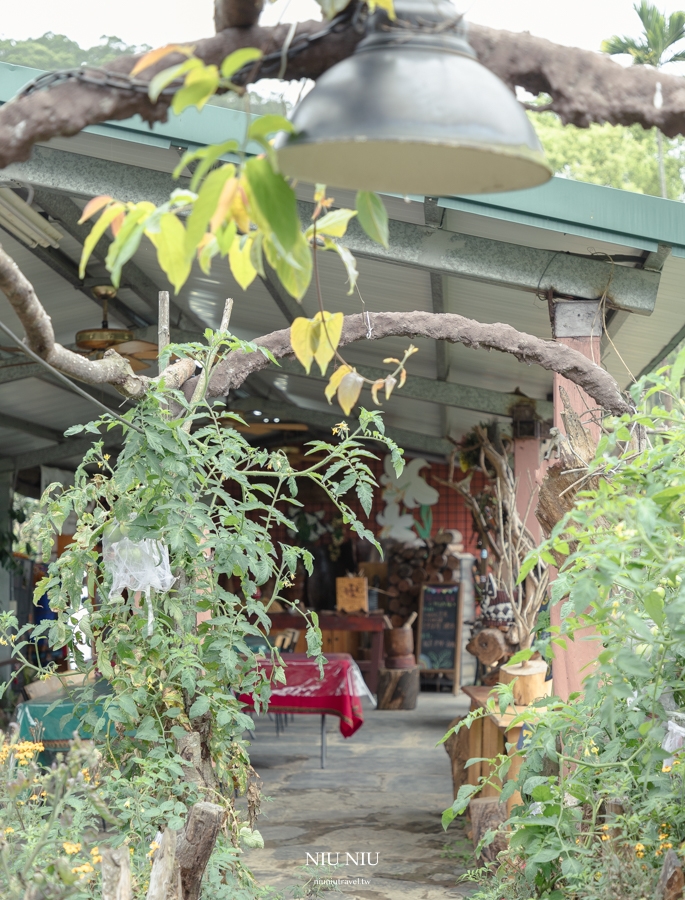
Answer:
[(94, 341)]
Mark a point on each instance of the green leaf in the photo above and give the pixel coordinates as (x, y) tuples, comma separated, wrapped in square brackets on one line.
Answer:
[(331, 8), (265, 126), (128, 704), (275, 201), (200, 85), (295, 270), (165, 78), (170, 242), (235, 61), (373, 217), (654, 607), (147, 730), (205, 205), (199, 708), (207, 156)]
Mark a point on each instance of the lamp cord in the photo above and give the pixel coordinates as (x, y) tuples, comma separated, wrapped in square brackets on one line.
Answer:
[(63, 378)]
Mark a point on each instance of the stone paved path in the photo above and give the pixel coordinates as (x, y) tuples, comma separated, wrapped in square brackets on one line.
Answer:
[(382, 793)]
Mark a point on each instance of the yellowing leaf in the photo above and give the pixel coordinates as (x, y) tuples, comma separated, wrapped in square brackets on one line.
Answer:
[(239, 260), (349, 391), (403, 377), (149, 59), (329, 337), (226, 236), (96, 233), (334, 381), (389, 359), (116, 224), (387, 5), (171, 251), (390, 383), (93, 206), (319, 193), (375, 388), (239, 210), (348, 259), (333, 224), (301, 340), (225, 201), (207, 249)]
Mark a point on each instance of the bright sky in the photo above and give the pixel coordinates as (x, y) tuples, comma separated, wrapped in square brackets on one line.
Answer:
[(581, 23)]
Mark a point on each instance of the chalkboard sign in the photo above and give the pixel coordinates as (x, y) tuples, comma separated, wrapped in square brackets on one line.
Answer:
[(439, 632)]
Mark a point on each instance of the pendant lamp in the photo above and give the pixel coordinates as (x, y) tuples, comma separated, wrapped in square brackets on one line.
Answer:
[(412, 111)]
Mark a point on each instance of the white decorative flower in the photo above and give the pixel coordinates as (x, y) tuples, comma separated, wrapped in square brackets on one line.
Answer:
[(410, 488)]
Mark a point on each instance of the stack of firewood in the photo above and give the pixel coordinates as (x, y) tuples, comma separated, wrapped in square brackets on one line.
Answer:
[(434, 562)]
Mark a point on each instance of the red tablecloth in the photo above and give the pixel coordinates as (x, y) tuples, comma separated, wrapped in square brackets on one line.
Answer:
[(306, 692)]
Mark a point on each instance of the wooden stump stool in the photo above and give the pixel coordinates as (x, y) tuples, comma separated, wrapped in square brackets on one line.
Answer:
[(398, 688)]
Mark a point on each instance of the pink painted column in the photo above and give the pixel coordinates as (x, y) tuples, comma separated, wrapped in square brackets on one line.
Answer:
[(577, 324)]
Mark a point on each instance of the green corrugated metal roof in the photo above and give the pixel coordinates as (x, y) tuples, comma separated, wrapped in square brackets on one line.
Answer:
[(562, 205), (590, 210)]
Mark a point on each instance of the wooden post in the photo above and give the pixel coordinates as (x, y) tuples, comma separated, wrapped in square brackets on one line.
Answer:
[(116, 873), (671, 881), (163, 333)]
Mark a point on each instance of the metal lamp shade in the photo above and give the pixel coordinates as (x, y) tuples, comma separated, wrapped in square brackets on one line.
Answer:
[(414, 116)]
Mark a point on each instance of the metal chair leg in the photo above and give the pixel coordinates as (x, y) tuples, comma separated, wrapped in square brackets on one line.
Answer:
[(323, 742)]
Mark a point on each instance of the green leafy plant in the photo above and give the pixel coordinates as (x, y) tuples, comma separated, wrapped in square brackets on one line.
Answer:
[(602, 779), (167, 715)]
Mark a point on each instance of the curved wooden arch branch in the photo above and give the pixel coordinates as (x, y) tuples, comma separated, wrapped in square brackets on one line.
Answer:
[(233, 371)]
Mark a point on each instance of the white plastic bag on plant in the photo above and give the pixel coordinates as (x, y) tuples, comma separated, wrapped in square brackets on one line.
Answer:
[(139, 566), (674, 740)]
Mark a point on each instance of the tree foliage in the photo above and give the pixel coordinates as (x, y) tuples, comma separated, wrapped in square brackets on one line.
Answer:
[(603, 775), (612, 155), (57, 51)]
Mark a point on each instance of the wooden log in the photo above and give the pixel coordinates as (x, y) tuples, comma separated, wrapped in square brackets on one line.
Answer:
[(457, 748), (671, 881), (418, 575), (487, 814), (116, 873), (395, 605), (475, 750), (398, 688), (493, 744), (404, 585), (529, 681), (195, 844), (489, 646), (165, 875)]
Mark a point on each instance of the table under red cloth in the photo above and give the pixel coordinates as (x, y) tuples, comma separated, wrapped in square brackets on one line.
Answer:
[(306, 692)]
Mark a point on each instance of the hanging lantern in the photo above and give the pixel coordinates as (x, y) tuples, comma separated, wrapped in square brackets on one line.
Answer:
[(412, 111)]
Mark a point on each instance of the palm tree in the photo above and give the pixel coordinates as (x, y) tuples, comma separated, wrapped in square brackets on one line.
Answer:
[(652, 48)]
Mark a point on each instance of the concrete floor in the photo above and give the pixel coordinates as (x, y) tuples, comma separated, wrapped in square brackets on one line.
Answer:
[(382, 792)]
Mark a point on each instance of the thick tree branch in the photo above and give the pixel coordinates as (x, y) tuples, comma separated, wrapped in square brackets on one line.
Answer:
[(597, 382), (232, 372), (40, 337), (585, 87)]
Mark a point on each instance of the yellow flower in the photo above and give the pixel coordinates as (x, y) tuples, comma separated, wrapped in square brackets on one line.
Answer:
[(71, 848), (153, 846), (86, 775), (640, 851), (3, 642), (33, 797), (95, 854), (666, 768), (8, 830), (84, 869), (127, 804)]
